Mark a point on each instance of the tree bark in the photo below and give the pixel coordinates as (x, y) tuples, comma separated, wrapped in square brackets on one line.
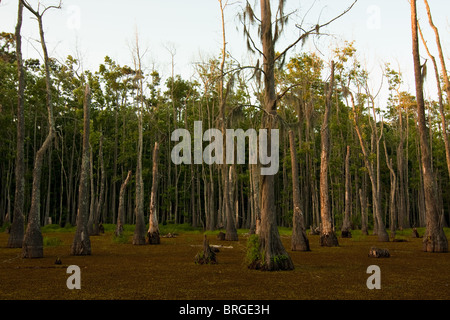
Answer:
[(121, 211), (231, 232), (434, 239), (81, 245), (153, 230), (139, 231), (99, 206), (32, 246), (438, 83), (274, 255), (346, 226), (17, 228), (379, 227), (299, 240), (327, 236), (392, 197), (363, 200)]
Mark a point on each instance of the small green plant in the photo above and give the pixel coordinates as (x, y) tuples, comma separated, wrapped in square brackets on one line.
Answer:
[(52, 242), (279, 259), (122, 239), (253, 258)]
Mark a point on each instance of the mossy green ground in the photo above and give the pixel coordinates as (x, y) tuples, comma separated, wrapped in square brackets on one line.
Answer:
[(120, 270)]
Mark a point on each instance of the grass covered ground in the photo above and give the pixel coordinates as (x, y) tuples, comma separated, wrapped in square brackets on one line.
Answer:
[(119, 270)]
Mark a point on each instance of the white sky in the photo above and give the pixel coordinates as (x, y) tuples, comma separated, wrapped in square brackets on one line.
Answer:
[(96, 28)]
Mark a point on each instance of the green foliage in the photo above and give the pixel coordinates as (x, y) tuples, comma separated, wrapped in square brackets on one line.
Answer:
[(253, 254), (52, 242), (124, 238), (57, 228), (279, 259)]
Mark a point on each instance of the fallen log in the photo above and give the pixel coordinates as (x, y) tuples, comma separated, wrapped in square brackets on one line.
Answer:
[(379, 253)]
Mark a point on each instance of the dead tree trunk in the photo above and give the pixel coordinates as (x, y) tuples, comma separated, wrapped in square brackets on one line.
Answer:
[(327, 236), (153, 230), (81, 245), (379, 227), (32, 246), (96, 212), (441, 102), (434, 239), (392, 207), (121, 211), (345, 231), (139, 231), (17, 231), (231, 232), (299, 240)]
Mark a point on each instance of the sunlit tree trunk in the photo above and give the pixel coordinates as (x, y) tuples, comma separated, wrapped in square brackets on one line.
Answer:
[(346, 226), (139, 231), (32, 246), (81, 245), (153, 229), (434, 239), (274, 254), (121, 211), (299, 240), (327, 235)]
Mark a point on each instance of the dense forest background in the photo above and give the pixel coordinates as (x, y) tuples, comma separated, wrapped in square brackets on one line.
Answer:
[(192, 194)]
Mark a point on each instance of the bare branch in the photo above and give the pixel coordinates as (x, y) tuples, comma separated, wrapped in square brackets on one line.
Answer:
[(314, 30)]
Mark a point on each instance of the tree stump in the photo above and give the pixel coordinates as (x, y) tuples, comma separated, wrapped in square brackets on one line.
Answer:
[(346, 234), (153, 238), (415, 234), (221, 236), (328, 240), (379, 253), (207, 256)]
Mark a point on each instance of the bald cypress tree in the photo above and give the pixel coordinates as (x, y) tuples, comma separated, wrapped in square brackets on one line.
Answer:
[(81, 245), (32, 246), (17, 229), (434, 239)]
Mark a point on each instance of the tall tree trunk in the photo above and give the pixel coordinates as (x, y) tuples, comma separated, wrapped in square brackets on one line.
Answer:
[(346, 226), (327, 236), (439, 89), (139, 231), (32, 246), (274, 255), (402, 212), (392, 197), (17, 228), (92, 206), (434, 239), (47, 219), (99, 206), (379, 226), (69, 204), (113, 180), (299, 240), (81, 245), (153, 229), (121, 211), (256, 220), (231, 232), (363, 199)]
